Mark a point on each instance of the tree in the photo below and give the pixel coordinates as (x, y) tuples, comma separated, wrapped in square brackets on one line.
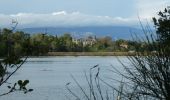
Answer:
[(149, 74), (11, 61), (162, 25)]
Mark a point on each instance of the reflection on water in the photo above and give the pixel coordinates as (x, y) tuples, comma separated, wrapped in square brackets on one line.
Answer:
[(49, 75)]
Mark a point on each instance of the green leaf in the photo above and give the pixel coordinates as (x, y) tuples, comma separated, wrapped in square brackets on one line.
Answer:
[(25, 82), (20, 83), (24, 88), (30, 90), (9, 87)]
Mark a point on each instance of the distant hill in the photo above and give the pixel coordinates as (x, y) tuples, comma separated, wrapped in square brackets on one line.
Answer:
[(116, 32)]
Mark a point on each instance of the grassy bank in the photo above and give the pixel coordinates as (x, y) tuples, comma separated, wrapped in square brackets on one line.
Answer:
[(89, 54)]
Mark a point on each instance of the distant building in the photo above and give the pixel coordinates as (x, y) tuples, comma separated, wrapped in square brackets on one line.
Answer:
[(77, 41), (85, 41), (124, 45)]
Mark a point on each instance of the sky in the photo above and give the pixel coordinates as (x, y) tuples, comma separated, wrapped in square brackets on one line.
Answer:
[(73, 13)]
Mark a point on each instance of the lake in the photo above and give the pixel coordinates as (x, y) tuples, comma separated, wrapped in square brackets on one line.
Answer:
[(49, 75)]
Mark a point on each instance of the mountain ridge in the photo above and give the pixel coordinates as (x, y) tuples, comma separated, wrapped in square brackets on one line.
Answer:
[(116, 32)]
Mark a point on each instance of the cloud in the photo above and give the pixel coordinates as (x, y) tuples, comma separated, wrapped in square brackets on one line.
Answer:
[(63, 19), (59, 13), (145, 9), (149, 8)]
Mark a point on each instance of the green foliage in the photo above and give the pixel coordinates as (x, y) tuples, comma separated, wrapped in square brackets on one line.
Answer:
[(13, 55), (2, 70), (22, 86), (19, 86), (162, 25), (41, 44), (149, 72)]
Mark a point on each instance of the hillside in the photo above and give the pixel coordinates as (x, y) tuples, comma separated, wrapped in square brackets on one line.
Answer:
[(116, 32)]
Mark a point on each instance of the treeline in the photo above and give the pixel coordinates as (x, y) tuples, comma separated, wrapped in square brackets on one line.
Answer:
[(40, 44)]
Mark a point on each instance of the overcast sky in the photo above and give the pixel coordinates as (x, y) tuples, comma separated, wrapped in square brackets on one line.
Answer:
[(44, 13)]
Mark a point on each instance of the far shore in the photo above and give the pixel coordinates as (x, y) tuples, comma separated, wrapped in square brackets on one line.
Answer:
[(84, 54), (89, 54)]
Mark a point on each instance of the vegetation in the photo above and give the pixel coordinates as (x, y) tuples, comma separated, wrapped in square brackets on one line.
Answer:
[(163, 29), (147, 77), (91, 53), (13, 50), (41, 44), (95, 90)]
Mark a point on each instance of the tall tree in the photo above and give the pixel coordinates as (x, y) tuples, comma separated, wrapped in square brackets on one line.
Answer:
[(11, 58), (162, 25), (149, 74)]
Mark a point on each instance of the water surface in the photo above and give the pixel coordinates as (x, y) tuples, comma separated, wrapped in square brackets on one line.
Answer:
[(49, 75)]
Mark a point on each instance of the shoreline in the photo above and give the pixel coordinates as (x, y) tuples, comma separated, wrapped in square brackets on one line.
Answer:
[(89, 54), (53, 54)]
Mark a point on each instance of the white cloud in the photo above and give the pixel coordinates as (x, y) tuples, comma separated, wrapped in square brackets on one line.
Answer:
[(149, 8), (145, 9), (63, 18), (59, 13)]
